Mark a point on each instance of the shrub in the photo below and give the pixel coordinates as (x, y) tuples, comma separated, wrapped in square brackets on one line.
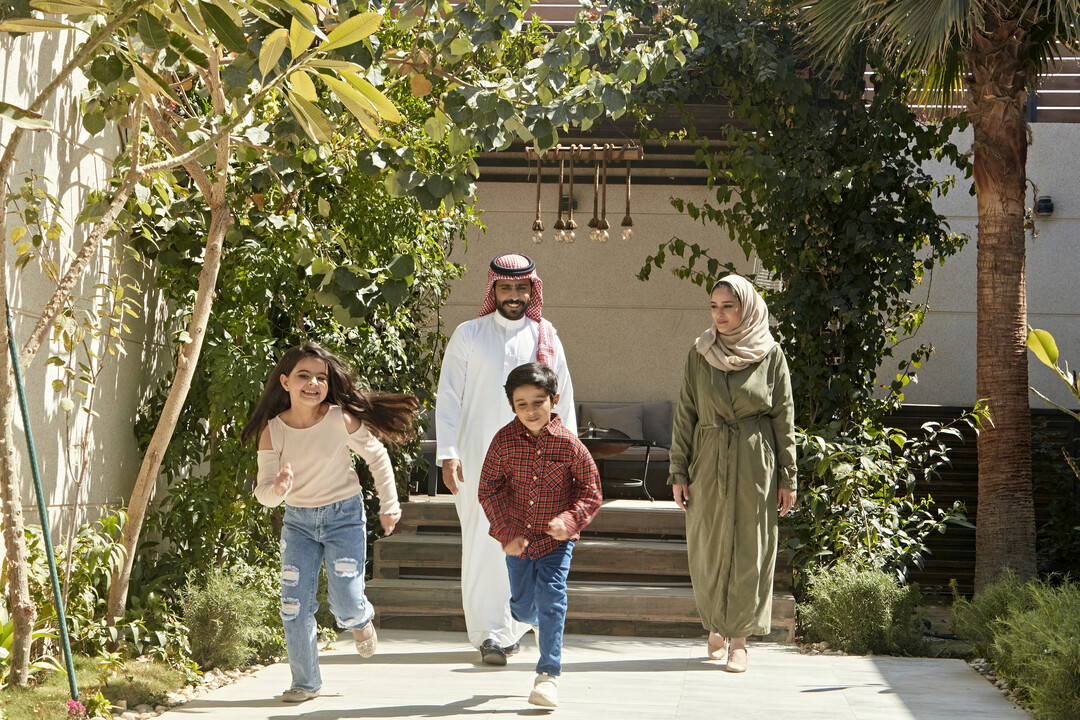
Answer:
[(857, 496), (224, 616), (978, 620), (861, 609), (1038, 649), (269, 639)]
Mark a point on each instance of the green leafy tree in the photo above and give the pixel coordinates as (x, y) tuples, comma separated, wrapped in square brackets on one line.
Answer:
[(344, 263), (197, 74), (984, 55), (826, 189)]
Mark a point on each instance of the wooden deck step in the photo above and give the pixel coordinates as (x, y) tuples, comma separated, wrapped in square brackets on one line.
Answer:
[(417, 603), (617, 518), (407, 556)]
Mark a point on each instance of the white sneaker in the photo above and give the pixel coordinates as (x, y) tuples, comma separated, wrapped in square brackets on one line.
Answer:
[(296, 695), (545, 691)]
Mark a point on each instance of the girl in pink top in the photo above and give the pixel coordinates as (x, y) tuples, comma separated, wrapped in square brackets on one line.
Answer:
[(310, 419)]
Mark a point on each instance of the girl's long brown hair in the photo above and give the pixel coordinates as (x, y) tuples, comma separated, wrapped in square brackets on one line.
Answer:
[(388, 415)]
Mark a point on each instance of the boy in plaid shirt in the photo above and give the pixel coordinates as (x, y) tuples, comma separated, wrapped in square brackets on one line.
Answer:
[(539, 487)]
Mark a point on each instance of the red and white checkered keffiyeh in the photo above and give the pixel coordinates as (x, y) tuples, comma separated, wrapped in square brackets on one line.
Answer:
[(512, 266)]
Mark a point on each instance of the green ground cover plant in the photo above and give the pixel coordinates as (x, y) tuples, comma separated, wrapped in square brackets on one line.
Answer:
[(135, 682), (1030, 632), (861, 609)]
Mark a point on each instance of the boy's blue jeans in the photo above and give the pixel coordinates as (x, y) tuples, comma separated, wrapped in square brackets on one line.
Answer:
[(336, 531), (538, 597)]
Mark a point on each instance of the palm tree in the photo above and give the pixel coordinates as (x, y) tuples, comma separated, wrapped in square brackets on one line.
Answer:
[(988, 52)]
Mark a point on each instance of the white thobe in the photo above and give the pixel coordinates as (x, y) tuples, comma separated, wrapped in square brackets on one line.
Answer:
[(470, 408)]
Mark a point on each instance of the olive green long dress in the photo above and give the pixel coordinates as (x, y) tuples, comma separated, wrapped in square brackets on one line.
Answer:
[(734, 442)]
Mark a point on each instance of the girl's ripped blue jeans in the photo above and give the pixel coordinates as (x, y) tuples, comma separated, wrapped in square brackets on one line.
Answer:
[(337, 533)]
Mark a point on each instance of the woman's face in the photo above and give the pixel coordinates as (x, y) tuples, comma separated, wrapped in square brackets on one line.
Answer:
[(726, 310)]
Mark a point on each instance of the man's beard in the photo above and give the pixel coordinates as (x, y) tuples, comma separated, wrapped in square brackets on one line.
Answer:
[(511, 313)]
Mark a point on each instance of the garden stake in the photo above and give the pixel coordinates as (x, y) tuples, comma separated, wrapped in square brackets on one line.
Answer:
[(60, 619)]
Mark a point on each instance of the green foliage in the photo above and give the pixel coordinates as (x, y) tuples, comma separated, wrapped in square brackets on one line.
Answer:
[(7, 636), (858, 502), (861, 609), (1038, 650), (1029, 631), (224, 615), (323, 252), (149, 627), (979, 619), (827, 189)]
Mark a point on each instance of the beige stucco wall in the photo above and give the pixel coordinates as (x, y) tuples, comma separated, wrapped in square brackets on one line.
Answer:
[(626, 339), (26, 65), (1053, 264)]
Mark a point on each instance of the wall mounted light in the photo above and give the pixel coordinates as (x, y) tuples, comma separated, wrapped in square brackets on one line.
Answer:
[(1044, 205), (600, 157)]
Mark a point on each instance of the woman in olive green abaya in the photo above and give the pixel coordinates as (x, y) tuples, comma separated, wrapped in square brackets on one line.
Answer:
[(733, 466)]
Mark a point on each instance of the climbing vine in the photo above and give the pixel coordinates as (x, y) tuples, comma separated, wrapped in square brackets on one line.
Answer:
[(826, 185)]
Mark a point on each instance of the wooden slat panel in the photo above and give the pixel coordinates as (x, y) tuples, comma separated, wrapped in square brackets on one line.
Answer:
[(953, 554)]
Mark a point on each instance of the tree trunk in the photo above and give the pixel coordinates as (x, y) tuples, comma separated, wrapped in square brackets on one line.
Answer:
[(220, 219), (1005, 515), (23, 612)]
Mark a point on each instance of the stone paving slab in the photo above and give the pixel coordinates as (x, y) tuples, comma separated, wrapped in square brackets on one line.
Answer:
[(418, 674)]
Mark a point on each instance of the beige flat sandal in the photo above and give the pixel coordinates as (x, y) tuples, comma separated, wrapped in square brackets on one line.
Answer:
[(736, 665), (717, 652)]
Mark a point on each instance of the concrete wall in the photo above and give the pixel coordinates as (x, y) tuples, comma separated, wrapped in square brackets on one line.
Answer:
[(1053, 263), (627, 339), (27, 64)]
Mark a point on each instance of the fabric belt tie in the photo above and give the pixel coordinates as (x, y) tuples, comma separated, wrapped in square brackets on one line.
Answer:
[(727, 449)]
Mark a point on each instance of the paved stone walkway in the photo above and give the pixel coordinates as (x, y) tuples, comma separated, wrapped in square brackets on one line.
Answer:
[(437, 675)]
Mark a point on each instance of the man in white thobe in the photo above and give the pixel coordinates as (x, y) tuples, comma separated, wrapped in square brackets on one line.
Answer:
[(470, 408)]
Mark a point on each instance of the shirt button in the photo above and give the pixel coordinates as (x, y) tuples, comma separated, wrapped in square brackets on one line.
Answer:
[(537, 452), (535, 478), (528, 526), (531, 502)]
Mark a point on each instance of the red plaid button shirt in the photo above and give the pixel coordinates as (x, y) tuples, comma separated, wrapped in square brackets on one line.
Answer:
[(527, 481)]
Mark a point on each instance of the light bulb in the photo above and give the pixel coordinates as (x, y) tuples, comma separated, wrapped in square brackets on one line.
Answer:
[(604, 236), (570, 236), (594, 234), (538, 237), (627, 232)]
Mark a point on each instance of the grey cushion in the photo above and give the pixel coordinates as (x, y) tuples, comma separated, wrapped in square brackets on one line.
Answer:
[(656, 418), (656, 422), (625, 418)]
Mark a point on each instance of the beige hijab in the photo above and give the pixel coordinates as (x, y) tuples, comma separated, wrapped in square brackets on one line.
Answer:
[(751, 339)]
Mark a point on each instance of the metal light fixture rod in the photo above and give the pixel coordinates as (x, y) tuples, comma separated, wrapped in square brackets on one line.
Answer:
[(590, 153)]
